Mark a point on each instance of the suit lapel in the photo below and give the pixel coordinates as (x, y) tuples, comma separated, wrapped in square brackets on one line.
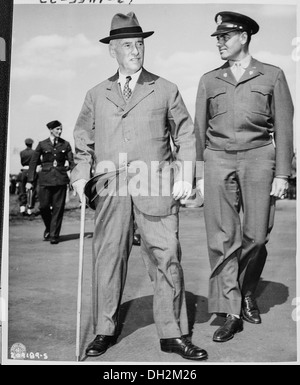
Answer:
[(113, 92), (143, 88)]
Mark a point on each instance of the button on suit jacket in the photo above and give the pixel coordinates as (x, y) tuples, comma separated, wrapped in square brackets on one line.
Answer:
[(137, 135)]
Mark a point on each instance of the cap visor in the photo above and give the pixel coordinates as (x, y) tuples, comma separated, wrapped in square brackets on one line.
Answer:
[(223, 31)]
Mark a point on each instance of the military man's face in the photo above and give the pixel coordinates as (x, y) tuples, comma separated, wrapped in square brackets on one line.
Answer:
[(129, 54), (231, 45), (56, 132)]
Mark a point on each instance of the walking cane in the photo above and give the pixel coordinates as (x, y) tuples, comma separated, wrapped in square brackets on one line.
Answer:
[(81, 247)]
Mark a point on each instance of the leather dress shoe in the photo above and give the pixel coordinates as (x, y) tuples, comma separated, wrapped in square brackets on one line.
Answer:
[(250, 311), (46, 235), (99, 346), (231, 326), (54, 241), (137, 240), (184, 347)]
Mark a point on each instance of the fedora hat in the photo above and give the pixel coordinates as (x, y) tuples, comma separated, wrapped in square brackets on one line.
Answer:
[(98, 186), (123, 26)]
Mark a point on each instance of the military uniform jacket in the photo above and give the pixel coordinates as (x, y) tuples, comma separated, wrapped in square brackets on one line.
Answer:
[(109, 128), (53, 162), (241, 115), (26, 155)]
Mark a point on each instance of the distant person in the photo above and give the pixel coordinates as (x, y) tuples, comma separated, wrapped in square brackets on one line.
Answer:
[(12, 184), (244, 129), (26, 200), (56, 157)]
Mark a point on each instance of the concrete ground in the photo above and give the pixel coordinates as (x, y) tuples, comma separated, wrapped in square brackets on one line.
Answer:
[(43, 298)]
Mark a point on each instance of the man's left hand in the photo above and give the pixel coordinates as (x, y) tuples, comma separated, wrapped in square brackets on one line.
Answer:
[(279, 188), (182, 190)]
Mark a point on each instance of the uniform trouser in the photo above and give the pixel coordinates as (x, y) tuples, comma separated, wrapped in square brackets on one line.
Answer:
[(112, 243), (22, 190), (239, 213), (52, 205)]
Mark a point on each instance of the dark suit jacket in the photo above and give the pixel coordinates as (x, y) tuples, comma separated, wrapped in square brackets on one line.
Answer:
[(52, 159), (113, 134), (233, 115)]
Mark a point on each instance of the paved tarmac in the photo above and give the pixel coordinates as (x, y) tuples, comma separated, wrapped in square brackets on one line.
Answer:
[(43, 298)]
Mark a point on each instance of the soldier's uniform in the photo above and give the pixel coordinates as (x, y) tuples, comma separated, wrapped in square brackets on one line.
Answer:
[(237, 124), (25, 157), (53, 181)]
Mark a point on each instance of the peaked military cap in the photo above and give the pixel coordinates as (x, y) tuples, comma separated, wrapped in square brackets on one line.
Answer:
[(233, 21), (53, 124)]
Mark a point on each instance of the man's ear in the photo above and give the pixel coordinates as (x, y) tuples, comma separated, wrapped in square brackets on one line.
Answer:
[(112, 51), (244, 37)]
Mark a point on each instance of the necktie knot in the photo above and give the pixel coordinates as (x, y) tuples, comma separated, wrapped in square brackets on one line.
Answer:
[(237, 70), (127, 91)]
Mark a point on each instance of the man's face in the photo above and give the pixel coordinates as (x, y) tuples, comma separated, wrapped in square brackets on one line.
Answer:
[(230, 45), (56, 132), (129, 54)]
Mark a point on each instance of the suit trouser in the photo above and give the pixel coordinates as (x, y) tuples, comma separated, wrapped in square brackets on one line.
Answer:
[(237, 181), (52, 205), (112, 243)]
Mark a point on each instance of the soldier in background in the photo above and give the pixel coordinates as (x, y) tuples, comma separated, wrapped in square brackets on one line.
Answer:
[(26, 199), (56, 157)]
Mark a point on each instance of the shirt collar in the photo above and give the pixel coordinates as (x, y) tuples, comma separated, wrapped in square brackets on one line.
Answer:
[(244, 62), (133, 81)]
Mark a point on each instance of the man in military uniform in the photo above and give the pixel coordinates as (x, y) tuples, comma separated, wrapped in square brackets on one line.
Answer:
[(244, 129), (25, 157), (56, 157)]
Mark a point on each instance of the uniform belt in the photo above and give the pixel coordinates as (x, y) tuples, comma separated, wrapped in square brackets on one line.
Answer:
[(51, 164)]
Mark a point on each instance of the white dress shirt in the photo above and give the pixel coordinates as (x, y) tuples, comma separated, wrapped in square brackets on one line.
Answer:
[(133, 81)]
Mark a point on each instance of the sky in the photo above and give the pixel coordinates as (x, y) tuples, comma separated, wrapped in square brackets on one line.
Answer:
[(57, 56)]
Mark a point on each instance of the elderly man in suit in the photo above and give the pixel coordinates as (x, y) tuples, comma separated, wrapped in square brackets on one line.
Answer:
[(56, 158), (244, 130), (124, 129)]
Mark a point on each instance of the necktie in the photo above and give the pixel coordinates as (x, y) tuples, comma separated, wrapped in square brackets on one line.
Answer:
[(237, 71), (127, 91), (55, 142)]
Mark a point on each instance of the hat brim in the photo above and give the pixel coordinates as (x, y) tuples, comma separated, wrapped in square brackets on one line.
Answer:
[(225, 30), (106, 40), (97, 186)]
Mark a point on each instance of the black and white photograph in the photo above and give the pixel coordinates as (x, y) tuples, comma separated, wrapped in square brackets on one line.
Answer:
[(150, 201)]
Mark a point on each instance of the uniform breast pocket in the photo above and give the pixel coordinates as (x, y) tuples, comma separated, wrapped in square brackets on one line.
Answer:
[(217, 102), (260, 99), (47, 156)]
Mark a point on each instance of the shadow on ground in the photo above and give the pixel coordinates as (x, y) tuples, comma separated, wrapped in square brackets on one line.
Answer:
[(138, 313)]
